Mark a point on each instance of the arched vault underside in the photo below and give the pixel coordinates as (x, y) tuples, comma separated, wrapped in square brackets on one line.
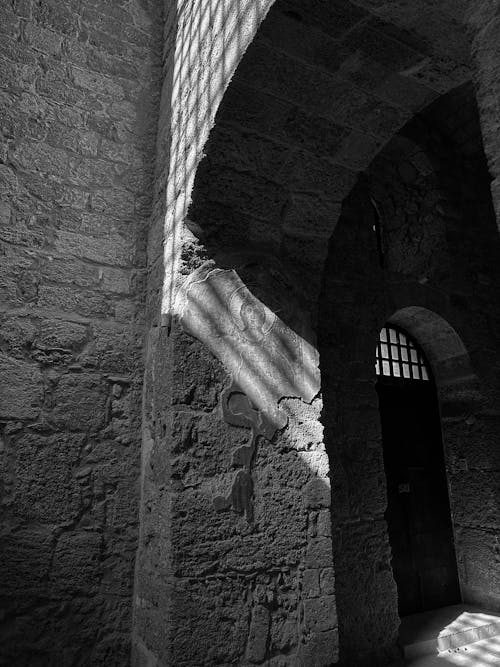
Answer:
[(353, 72)]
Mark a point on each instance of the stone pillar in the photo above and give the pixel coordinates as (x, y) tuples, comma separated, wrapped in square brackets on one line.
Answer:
[(483, 20), (235, 563)]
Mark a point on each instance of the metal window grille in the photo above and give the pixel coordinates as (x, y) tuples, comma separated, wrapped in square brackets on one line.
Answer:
[(399, 357)]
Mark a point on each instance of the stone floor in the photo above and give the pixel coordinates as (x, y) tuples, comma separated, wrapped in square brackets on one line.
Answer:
[(484, 653), (457, 635)]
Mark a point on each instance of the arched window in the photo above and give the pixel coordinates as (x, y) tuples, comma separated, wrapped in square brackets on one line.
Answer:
[(398, 356)]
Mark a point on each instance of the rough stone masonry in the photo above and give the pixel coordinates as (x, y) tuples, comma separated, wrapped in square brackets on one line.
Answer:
[(188, 477)]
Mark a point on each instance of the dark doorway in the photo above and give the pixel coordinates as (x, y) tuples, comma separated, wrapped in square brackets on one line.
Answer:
[(418, 510)]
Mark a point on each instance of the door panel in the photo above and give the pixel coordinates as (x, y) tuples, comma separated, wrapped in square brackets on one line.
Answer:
[(418, 512)]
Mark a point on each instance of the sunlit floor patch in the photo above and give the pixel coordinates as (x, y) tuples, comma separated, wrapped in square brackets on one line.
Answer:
[(483, 653), (456, 635)]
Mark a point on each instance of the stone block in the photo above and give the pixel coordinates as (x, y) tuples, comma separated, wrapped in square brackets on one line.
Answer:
[(316, 493), (476, 550), (258, 634), (61, 335), (72, 139), (320, 614), (324, 523), (97, 83), (21, 389), (364, 585), (474, 496), (310, 216), (125, 153), (238, 149), (41, 39), (16, 273), (80, 402), (75, 566), (59, 18), (319, 552), (86, 304), (114, 250), (357, 149), (9, 183), (248, 193), (313, 174), (322, 137), (26, 558), (255, 109), (69, 272), (327, 581), (320, 649), (114, 348), (18, 333), (115, 280), (198, 376), (310, 583), (46, 489), (91, 173), (113, 201), (31, 156)]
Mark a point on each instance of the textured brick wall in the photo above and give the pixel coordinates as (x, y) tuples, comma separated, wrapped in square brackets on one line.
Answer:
[(431, 187), (78, 108)]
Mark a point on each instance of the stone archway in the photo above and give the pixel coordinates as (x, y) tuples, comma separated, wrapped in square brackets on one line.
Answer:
[(442, 345), (290, 133), (423, 211), (454, 384), (418, 516)]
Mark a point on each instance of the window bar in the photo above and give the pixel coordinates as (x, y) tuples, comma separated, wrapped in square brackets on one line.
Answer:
[(399, 357)]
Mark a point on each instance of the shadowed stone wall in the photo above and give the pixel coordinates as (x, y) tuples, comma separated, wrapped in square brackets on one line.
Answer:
[(483, 21), (429, 188), (78, 108)]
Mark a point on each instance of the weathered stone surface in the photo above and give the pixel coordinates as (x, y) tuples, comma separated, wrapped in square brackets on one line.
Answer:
[(75, 567), (21, 389), (113, 348), (80, 402), (321, 649), (17, 333), (310, 583), (198, 377), (322, 88), (46, 486), (317, 493), (320, 614), (26, 558), (78, 135), (60, 334), (258, 634)]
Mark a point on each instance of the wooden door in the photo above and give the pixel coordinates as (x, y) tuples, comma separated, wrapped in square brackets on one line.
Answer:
[(418, 511)]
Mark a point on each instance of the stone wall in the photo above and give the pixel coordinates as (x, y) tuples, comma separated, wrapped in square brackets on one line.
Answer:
[(429, 189), (317, 94), (81, 88), (483, 20), (78, 103)]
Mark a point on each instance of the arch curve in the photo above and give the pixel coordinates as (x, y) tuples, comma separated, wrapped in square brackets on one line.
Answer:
[(360, 72), (441, 344)]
